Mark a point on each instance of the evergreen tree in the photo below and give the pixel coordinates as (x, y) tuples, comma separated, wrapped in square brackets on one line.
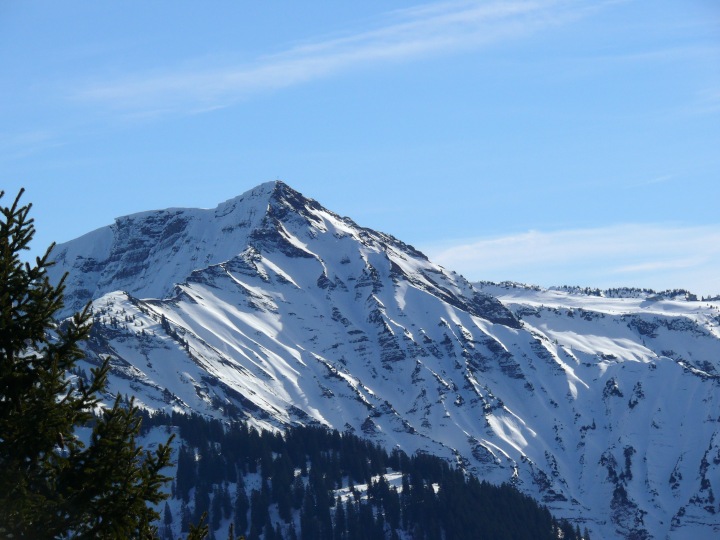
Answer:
[(184, 517), (225, 501), (216, 509), (339, 520), (167, 515), (52, 485), (242, 505), (186, 477), (258, 509), (201, 501)]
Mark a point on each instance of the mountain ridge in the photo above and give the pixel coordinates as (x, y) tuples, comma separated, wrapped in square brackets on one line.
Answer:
[(294, 315)]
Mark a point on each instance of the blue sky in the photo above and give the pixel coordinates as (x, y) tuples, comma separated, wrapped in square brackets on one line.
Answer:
[(546, 141)]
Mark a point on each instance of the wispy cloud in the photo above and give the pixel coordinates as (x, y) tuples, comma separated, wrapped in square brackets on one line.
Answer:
[(656, 266), (664, 54), (25, 143), (406, 34), (707, 102), (662, 179), (656, 256)]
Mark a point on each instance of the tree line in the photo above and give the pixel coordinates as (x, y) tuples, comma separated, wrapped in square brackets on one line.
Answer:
[(311, 482)]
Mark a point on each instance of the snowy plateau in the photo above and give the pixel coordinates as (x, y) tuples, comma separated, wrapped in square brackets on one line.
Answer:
[(270, 308)]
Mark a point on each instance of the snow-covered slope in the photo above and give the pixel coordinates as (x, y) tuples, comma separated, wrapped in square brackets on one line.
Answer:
[(273, 308)]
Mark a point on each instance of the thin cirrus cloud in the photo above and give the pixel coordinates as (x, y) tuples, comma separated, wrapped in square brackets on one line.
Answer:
[(23, 144), (654, 255), (662, 179), (708, 102), (407, 34)]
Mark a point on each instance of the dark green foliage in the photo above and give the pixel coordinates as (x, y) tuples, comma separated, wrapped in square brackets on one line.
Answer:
[(185, 473), (201, 502), (436, 501), (167, 515), (200, 531), (52, 485), (184, 517), (242, 505)]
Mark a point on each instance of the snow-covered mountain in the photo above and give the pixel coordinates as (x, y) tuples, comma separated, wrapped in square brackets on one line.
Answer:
[(272, 308)]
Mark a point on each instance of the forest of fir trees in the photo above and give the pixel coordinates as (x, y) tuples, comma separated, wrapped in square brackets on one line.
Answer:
[(311, 483)]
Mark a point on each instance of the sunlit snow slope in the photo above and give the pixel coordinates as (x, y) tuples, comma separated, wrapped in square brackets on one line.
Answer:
[(272, 308)]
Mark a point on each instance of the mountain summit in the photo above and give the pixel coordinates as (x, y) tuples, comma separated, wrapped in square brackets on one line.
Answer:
[(273, 309), (148, 253)]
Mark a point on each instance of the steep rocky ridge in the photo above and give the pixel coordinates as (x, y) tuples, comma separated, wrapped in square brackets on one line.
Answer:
[(274, 309)]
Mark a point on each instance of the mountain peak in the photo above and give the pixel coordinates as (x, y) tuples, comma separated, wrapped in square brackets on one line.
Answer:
[(273, 199), (272, 308), (285, 199), (149, 253)]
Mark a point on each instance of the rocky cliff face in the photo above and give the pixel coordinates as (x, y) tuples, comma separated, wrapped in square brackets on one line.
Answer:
[(274, 309)]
